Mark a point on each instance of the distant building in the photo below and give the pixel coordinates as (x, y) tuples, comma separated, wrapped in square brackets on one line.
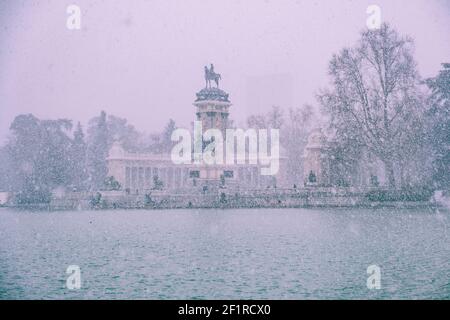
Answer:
[(316, 162)]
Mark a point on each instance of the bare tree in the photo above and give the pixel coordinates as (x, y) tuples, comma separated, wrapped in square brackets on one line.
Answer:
[(256, 121), (275, 118), (375, 96)]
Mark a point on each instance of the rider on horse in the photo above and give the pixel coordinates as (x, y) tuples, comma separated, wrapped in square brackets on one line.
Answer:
[(211, 75)]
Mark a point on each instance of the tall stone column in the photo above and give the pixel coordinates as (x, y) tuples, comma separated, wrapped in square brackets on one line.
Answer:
[(212, 109)]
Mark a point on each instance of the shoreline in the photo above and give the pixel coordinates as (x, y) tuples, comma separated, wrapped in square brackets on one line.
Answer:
[(375, 206), (236, 199)]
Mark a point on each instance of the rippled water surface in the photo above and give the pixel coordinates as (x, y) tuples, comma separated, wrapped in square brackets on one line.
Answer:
[(229, 254)]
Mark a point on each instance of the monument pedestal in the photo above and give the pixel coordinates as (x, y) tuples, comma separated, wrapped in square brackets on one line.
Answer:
[(212, 109)]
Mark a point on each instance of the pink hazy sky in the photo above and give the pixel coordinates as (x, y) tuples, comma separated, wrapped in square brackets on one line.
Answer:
[(144, 60)]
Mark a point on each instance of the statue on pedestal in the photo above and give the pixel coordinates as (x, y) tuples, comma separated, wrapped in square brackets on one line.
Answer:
[(211, 75)]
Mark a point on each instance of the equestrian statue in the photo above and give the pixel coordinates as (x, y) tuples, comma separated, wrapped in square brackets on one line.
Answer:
[(211, 75)]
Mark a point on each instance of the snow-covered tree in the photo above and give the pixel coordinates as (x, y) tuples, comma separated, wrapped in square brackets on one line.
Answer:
[(78, 163), (374, 98), (119, 129), (166, 136), (97, 151), (6, 170), (40, 153), (256, 121), (275, 117), (295, 132), (439, 134)]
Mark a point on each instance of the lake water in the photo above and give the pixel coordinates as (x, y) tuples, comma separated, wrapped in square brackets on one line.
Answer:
[(225, 254)]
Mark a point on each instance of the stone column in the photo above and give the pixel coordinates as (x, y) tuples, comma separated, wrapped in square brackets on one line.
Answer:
[(127, 178), (134, 174)]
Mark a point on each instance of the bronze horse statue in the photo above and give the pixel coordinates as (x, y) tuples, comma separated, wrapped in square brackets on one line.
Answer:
[(211, 75)]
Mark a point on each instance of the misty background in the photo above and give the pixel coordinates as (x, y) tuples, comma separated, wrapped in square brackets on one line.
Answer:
[(143, 60)]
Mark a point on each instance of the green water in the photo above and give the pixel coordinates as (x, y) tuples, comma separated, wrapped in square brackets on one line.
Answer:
[(226, 254)]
